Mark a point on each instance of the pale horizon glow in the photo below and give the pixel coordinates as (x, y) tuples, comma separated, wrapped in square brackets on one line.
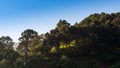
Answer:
[(43, 15)]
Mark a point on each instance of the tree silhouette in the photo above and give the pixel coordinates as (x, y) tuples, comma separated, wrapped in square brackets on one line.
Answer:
[(6, 42), (27, 36)]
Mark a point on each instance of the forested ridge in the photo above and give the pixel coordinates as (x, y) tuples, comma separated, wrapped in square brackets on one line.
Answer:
[(92, 43)]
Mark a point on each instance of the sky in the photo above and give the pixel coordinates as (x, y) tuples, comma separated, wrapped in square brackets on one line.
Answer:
[(43, 15)]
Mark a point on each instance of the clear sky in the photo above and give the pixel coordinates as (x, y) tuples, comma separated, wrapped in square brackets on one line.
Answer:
[(43, 15)]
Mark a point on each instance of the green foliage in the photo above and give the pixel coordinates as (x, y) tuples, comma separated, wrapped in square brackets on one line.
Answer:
[(6, 43), (92, 43), (8, 58), (26, 37)]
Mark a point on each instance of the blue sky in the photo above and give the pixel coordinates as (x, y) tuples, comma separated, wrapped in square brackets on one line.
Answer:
[(43, 15)]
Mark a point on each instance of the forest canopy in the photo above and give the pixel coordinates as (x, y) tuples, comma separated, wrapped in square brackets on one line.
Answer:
[(92, 43)]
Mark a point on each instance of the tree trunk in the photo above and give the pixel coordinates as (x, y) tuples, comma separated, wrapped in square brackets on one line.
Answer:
[(26, 50)]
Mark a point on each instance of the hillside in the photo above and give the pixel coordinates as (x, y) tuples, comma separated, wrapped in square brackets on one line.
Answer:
[(92, 43)]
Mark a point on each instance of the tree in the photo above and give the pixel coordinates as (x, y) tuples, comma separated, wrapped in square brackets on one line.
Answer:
[(63, 28), (101, 38), (26, 37), (6, 42)]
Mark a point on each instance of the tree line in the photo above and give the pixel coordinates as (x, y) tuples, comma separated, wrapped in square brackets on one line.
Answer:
[(92, 43)]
